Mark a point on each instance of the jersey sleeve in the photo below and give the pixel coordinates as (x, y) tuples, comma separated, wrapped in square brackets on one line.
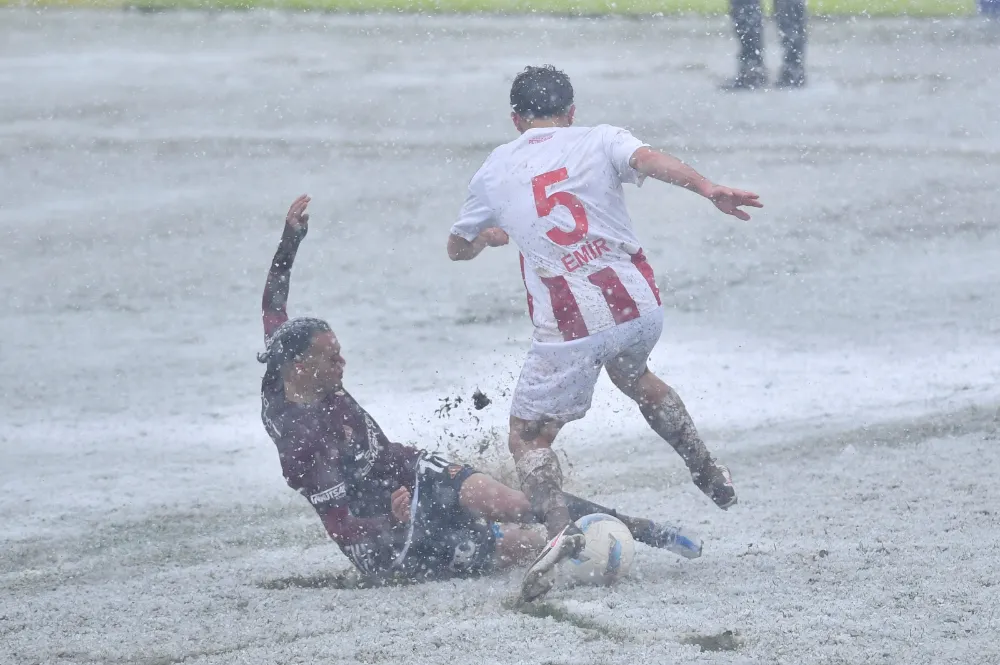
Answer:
[(620, 145), (319, 480), (476, 215)]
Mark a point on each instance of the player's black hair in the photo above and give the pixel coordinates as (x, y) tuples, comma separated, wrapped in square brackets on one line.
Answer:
[(288, 343), (541, 92)]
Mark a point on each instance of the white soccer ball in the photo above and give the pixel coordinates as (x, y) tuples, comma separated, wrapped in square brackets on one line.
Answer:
[(609, 553)]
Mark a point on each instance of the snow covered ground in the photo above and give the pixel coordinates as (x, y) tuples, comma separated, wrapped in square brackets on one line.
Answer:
[(839, 351)]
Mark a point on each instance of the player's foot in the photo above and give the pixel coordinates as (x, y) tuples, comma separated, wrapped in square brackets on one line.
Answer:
[(749, 78), (669, 537), (791, 76), (541, 576), (716, 482)]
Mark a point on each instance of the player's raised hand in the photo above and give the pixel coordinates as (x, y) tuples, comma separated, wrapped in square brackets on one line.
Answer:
[(730, 201), (401, 505), (297, 217), (495, 237)]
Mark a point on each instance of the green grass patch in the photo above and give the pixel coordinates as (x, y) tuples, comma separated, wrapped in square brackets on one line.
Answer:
[(578, 7)]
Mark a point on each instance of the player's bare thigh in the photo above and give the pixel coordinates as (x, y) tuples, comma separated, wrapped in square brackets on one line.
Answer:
[(528, 435), (493, 501), (629, 369)]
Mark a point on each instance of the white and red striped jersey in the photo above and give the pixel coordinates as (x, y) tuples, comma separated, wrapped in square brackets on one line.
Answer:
[(557, 192)]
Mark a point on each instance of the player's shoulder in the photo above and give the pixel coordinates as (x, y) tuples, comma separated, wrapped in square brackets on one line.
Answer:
[(493, 161), (606, 131)]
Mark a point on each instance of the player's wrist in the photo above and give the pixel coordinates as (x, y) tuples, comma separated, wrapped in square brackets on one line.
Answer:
[(294, 233)]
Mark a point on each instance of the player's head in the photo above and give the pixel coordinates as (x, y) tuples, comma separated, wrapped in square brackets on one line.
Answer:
[(305, 354), (541, 97)]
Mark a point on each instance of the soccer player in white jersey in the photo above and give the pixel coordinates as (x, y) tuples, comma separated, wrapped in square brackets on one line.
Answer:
[(557, 191)]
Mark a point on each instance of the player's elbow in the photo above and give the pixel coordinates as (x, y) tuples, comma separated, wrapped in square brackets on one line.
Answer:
[(644, 160)]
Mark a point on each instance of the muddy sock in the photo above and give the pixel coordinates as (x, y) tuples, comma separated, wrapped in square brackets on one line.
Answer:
[(541, 480), (672, 422)]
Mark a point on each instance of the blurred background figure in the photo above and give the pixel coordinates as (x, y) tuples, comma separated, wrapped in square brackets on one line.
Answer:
[(749, 24), (990, 8)]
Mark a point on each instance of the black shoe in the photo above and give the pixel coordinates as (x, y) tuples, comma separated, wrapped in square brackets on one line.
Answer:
[(717, 483), (748, 78), (791, 76)]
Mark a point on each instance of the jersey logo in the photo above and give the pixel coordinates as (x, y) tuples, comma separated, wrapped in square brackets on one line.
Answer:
[(539, 139), (332, 494), (464, 557)]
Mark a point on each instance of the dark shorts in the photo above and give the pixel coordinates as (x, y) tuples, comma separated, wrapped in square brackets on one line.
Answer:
[(446, 540)]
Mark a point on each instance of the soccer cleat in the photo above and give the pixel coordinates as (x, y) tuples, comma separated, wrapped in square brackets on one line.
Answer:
[(716, 482), (541, 576), (672, 538)]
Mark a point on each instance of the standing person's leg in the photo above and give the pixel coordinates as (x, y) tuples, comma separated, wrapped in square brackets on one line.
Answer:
[(665, 412), (748, 23), (539, 470), (791, 18), (556, 386)]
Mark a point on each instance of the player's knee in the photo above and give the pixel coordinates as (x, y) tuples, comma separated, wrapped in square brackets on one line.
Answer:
[(527, 435), (519, 504)]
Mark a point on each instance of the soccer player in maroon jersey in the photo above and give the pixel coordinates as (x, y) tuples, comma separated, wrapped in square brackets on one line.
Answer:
[(394, 510)]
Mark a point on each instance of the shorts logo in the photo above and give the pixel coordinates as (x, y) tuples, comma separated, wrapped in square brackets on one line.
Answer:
[(454, 470), (465, 556), (332, 494)]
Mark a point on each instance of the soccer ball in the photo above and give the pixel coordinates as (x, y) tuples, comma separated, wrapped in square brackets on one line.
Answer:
[(608, 555)]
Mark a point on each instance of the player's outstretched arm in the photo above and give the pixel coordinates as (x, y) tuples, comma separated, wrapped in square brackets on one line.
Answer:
[(279, 276), (669, 169), (460, 249)]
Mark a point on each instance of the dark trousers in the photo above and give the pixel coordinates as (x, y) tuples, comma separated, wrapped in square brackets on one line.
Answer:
[(748, 21)]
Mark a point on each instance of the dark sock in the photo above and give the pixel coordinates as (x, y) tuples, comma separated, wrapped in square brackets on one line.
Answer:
[(578, 507)]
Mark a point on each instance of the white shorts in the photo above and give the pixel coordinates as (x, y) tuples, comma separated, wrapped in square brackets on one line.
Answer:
[(558, 378)]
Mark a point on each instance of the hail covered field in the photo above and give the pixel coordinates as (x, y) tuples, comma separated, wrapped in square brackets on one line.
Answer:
[(839, 351)]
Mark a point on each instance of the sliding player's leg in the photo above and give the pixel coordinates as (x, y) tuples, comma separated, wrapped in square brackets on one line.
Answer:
[(488, 498), (517, 544), (662, 535)]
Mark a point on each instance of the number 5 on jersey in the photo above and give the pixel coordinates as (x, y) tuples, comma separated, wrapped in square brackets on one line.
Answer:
[(546, 203)]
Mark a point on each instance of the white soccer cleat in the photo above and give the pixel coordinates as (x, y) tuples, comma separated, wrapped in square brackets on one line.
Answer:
[(541, 575)]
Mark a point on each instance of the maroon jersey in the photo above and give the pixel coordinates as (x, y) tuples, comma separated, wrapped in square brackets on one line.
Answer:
[(335, 454), (332, 451)]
